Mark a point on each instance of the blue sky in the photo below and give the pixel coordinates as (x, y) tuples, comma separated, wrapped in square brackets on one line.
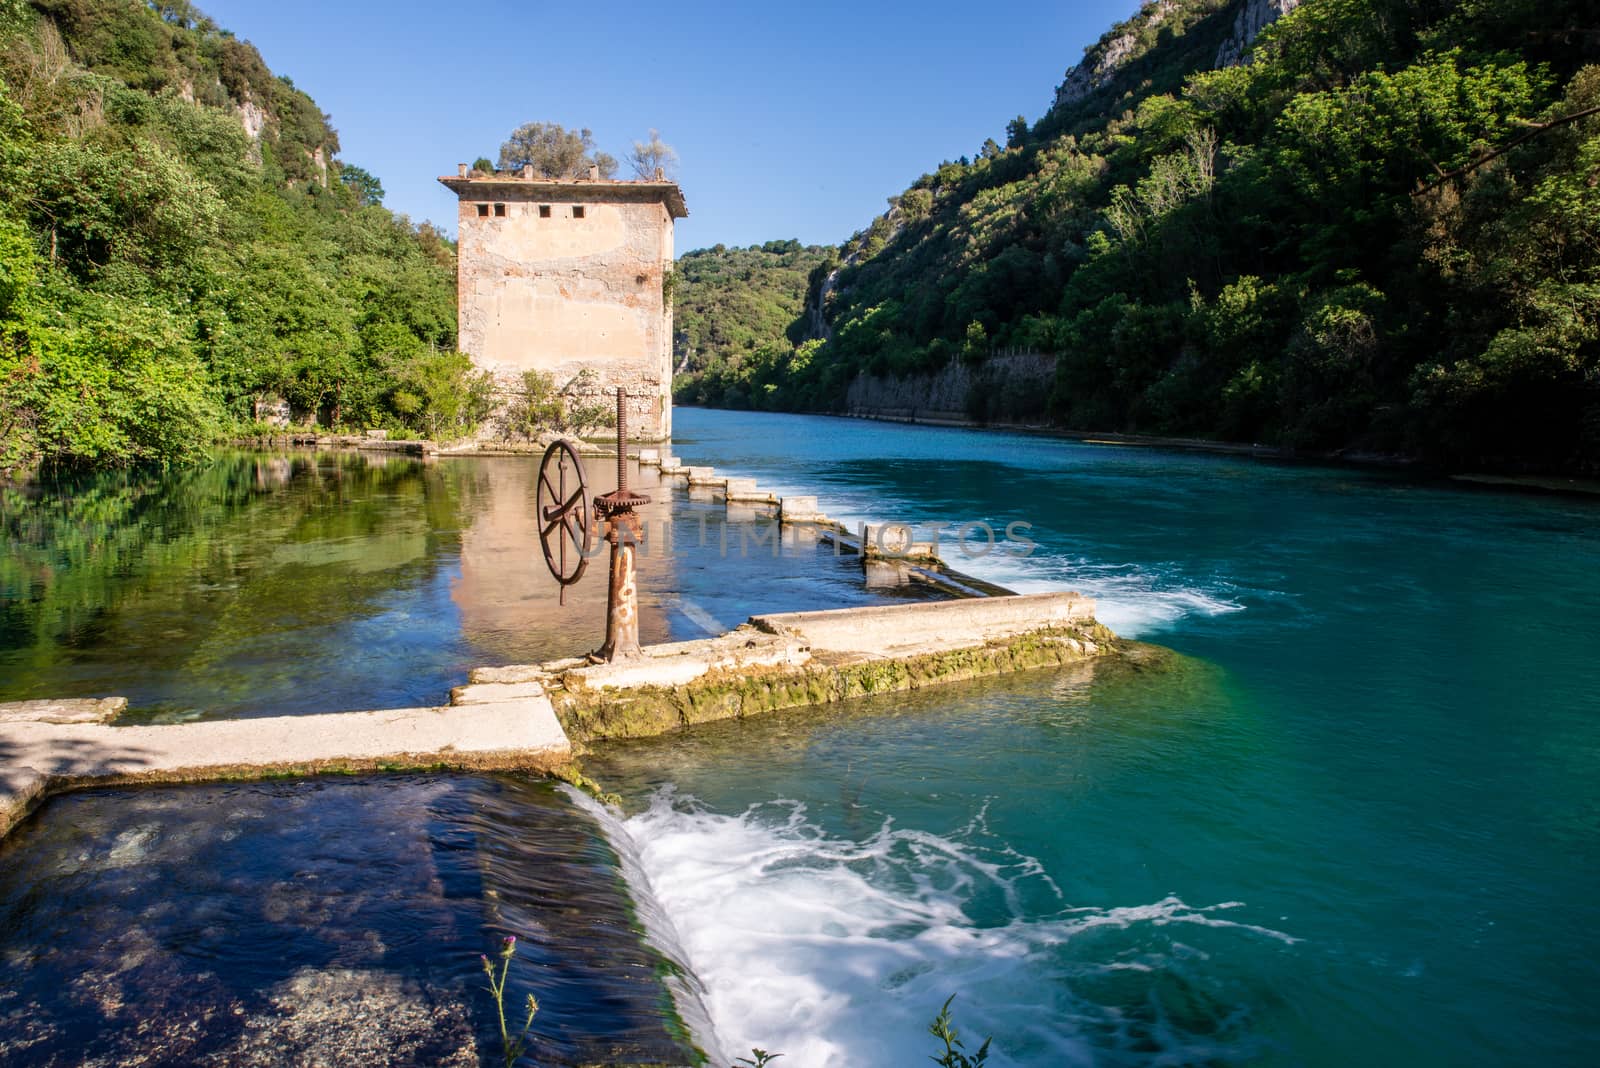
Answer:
[(796, 120)]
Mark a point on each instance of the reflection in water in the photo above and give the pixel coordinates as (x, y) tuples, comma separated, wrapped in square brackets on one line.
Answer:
[(269, 584), (319, 582), (321, 922)]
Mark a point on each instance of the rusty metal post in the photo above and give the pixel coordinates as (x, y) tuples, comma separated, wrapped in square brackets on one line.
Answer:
[(622, 604)]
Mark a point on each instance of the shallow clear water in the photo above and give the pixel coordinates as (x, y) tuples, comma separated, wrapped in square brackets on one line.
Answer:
[(336, 921), (1358, 821), (271, 584)]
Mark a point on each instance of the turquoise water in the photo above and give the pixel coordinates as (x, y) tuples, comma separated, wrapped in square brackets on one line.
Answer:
[(1356, 822)]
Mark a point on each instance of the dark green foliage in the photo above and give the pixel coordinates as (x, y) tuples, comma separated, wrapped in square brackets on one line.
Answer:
[(367, 188), (1319, 249), (178, 242), (731, 310)]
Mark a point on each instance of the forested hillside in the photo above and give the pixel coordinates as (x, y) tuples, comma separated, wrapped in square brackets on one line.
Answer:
[(732, 310), (178, 240), (1379, 231)]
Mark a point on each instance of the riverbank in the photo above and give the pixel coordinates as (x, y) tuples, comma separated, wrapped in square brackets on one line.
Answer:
[(1505, 481), (1513, 481)]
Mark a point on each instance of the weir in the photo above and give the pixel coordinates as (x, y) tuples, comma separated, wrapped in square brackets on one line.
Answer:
[(527, 717), (540, 716), (52, 746)]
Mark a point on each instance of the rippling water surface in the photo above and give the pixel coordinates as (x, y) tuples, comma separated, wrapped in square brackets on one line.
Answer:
[(324, 922), (1355, 821)]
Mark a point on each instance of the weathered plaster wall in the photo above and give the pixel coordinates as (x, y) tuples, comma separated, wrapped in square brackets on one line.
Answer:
[(559, 294)]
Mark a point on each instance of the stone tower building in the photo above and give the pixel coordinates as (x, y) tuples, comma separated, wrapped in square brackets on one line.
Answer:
[(567, 275)]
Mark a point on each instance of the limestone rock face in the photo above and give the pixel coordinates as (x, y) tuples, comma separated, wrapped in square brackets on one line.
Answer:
[(1004, 388), (1091, 74), (1253, 17), (1111, 53), (1101, 62)]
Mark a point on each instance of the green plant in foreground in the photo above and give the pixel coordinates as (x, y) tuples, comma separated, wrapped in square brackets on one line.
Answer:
[(944, 1030), (511, 1047), (943, 1027)]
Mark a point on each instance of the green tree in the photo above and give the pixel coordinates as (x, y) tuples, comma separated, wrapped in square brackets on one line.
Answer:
[(553, 151), (361, 182)]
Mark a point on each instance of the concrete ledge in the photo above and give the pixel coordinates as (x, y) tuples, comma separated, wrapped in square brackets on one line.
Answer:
[(744, 649), (47, 757), (592, 714), (799, 510), (791, 659), (744, 491), (649, 457), (671, 465), (895, 539), (21, 788), (929, 626), (494, 693), (701, 476)]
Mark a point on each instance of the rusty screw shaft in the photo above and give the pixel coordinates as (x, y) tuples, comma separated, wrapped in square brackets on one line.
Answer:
[(622, 440)]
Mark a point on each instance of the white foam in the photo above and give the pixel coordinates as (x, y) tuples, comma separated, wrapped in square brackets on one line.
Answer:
[(835, 951), (1133, 600)]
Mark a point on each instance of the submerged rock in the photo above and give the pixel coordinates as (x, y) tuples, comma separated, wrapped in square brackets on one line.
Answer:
[(341, 1016)]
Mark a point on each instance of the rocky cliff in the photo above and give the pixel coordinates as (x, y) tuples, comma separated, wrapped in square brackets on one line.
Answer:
[(1253, 17), (1011, 388), (1128, 41)]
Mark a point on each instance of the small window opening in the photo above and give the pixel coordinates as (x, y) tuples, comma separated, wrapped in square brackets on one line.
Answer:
[(577, 212), (500, 211), (483, 209), (544, 211)]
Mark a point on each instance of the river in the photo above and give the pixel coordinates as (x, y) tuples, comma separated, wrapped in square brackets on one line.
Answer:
[(1357, 820), (1359, 823)]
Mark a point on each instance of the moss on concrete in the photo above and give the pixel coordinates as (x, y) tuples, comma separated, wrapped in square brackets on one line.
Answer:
[(639, 712)]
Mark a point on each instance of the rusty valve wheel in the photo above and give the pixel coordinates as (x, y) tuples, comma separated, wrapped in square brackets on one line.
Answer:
[(566, 520)]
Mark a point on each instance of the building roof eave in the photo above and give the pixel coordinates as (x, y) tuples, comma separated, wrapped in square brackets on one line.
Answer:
[(485, 186)]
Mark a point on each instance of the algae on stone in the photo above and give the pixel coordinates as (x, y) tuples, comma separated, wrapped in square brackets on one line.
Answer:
[(640, 712)]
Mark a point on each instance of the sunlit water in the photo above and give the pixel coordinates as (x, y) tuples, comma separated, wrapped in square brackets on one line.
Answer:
[(267, 584), (1356, 822)]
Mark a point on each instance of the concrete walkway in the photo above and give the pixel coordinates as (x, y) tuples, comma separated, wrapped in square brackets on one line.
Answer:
[(50, 746), (512, 717), (929, 626), (787, 660)]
